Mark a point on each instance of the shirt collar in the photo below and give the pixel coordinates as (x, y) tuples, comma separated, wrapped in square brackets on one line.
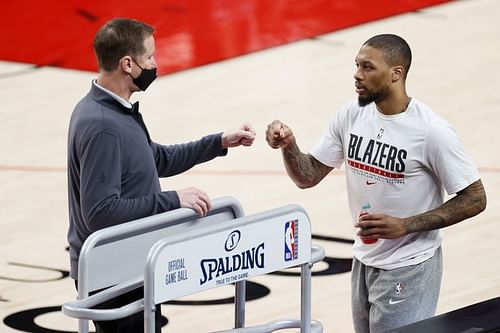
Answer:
[(122, 101)]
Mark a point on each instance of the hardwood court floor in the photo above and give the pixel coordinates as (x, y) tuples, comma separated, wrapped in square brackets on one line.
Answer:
[(455, 50)]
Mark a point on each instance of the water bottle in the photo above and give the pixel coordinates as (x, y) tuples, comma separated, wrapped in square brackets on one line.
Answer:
[(365, 210)]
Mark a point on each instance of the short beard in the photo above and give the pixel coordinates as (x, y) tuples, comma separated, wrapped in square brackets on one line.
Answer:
[(375, 97)]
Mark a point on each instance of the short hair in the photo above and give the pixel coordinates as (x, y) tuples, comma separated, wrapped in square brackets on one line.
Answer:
[(120, 37), (396, 50)]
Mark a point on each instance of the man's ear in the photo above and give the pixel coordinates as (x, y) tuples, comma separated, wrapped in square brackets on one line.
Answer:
[(397, 73), (126, 64)]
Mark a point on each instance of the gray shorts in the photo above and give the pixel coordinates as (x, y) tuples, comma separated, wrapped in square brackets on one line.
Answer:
[(383, 300)]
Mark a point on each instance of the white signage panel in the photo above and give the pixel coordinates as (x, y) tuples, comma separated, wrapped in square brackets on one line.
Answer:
[(232, 255)]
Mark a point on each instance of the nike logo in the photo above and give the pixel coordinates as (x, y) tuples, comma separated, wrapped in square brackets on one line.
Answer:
[(370, 183), (391, 302)]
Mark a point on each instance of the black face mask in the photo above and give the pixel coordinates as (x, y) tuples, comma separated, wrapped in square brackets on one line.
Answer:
[(144, 79)]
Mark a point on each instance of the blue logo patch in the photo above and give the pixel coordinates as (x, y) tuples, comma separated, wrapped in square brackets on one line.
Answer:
[(291, 240)]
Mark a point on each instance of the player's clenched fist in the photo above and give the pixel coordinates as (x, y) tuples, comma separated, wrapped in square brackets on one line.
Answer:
[(279, 135)]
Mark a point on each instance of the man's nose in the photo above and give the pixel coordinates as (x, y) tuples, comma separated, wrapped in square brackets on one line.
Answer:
[(358, 75)]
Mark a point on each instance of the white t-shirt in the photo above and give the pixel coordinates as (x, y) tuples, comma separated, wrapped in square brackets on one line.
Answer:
[(400, 165)]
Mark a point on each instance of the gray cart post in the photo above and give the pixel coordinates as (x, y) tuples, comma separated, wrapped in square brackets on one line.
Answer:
[(116, 256)]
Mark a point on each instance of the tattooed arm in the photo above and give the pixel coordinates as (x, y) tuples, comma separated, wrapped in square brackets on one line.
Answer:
[(303, 169), (466, 204)]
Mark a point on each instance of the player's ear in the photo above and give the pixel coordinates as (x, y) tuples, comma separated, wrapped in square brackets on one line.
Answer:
[(397, 73)]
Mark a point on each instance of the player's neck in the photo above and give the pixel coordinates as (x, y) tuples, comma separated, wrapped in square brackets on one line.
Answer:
[(394, 105)]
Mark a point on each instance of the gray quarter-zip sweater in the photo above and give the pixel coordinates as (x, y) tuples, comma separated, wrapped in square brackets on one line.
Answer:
[(114, 167)]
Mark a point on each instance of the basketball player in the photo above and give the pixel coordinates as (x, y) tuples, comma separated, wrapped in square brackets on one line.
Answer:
[(399, 158), (114, 165)]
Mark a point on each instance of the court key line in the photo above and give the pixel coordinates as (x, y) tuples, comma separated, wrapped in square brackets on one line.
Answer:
[(47, 169)]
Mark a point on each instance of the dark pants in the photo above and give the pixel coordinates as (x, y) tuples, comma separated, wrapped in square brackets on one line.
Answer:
[(131, 324)]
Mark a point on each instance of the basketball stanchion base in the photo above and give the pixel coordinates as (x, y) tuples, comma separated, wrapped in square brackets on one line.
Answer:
[(234, 249)]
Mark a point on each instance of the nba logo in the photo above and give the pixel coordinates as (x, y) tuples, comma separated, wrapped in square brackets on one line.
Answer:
[(291, 240)]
